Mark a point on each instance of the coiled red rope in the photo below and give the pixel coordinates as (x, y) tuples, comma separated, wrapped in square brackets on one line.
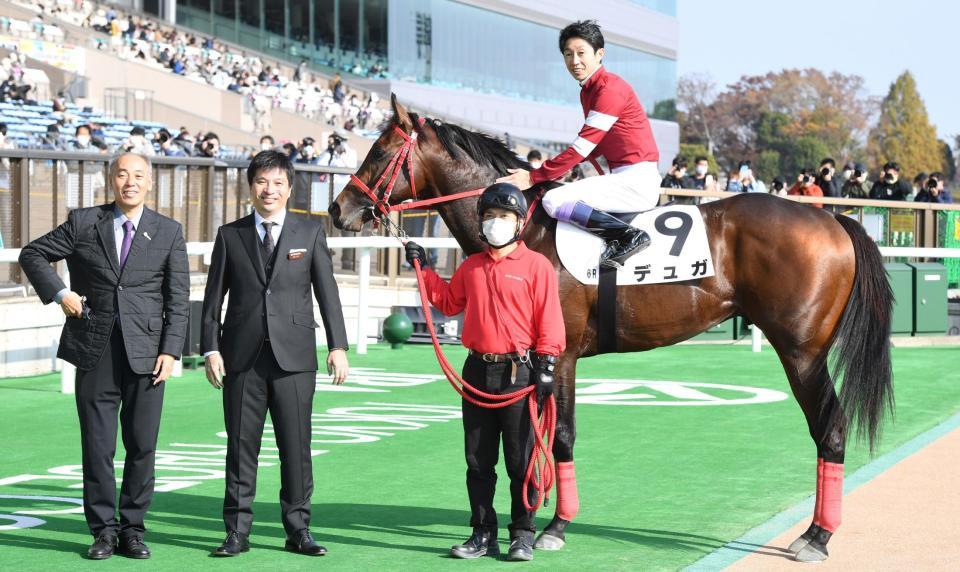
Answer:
[(540, 469)]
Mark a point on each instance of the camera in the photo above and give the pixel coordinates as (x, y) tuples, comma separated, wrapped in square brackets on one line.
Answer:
[(163, 137), (824, 172), (932, 183), (857, 173), (778, 185), (888, 177), (806, 179)]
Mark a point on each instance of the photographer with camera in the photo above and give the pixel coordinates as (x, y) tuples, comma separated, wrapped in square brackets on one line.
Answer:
[(827, 178), (933, 190), (857, 186), (807, 186), (209, 146), (889, 186), (138, 143), (778, 187), (338, 153), (676, 177), (167, 144)]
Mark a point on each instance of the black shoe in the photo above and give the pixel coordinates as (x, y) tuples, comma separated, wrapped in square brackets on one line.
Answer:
[(234, 544), (521, 548), (617, 251), (483, 542), (133, 547), (302, 542), (103, 547), (622, 240)]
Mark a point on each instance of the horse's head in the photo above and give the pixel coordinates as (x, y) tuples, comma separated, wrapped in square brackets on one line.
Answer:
[(354, 206)]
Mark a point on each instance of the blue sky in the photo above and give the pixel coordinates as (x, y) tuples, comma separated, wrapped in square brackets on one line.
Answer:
[(876, 39)]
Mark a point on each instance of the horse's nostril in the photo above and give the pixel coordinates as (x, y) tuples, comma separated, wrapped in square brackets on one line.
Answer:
[(334, 210)]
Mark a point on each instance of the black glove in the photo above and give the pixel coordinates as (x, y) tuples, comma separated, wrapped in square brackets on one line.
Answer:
[(543, 377), (416, 252)]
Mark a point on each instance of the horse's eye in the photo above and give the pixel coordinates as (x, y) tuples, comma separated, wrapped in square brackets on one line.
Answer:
[(376, 152)]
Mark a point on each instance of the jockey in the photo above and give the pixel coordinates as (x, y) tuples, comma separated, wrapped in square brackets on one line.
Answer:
[(616, 127)]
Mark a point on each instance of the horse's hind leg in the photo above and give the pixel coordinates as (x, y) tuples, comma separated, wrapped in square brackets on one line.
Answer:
[(567, 498), (814, 390)]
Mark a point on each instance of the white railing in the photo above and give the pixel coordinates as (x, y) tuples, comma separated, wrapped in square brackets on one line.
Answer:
[(365, 244)]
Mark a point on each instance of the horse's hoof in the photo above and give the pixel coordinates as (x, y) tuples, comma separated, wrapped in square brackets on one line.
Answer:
[(548, 542), (798, 545), (812, 552)]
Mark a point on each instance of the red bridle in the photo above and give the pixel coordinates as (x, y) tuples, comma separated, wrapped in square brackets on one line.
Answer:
[(403, 156)]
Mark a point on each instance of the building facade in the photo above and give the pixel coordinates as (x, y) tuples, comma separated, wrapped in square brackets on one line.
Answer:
[(493, 64)]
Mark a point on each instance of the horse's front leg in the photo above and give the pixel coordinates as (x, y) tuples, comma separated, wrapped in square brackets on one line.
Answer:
[(567, 501)]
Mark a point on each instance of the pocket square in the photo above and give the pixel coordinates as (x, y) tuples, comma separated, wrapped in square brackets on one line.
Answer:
[(296, 253)]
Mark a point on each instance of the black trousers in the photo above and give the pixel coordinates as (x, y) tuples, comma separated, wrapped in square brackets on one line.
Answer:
[(247, 396), (111, 386), (482, 431)]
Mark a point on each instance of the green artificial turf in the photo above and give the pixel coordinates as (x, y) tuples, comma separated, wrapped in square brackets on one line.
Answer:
[(660, 486)]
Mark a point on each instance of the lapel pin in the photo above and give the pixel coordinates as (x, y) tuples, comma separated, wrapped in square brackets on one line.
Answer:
[(147, 236)]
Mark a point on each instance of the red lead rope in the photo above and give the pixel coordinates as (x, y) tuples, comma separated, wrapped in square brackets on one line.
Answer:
[(540, 470)]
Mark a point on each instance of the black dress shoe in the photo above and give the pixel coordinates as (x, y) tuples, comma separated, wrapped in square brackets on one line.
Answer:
[(234, 544), (133, 547), (521, 547), (303, 543), (483, 542), (103, 547)]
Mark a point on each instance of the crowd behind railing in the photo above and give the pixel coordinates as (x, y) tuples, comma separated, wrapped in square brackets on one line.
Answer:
[(208, 60)]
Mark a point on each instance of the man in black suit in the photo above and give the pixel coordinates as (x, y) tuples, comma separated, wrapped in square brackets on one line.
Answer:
[(126, 323), (264, 355)]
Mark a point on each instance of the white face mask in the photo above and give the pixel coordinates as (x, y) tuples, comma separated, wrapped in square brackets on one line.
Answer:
[(265, 146), (702, 170), (83, 140), (308, 150), (498, 231)]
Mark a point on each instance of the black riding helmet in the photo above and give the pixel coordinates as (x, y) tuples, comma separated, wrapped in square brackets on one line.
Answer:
[(502, 196)]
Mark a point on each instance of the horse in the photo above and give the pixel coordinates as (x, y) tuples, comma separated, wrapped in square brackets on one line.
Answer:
[(813, 281)]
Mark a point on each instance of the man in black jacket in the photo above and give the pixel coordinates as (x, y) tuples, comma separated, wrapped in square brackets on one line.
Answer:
[(889, 186), (126, 323), (264, 354)]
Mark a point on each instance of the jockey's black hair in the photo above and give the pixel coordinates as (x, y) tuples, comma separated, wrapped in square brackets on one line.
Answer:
[(586, 30)]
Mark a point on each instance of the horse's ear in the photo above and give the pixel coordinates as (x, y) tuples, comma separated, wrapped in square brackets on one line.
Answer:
[(400, 115)]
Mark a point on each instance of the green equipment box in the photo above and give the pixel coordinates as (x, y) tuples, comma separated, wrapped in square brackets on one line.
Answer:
[(901, 282), (929, 299)]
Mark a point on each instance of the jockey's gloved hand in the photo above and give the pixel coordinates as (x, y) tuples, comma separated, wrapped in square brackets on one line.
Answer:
[(543, 377), (416, 252)]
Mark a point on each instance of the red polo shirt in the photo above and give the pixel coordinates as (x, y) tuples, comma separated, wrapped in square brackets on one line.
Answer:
[(510, 305)]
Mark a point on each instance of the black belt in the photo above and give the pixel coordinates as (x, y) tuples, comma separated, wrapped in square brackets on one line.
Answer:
[(501, 358)]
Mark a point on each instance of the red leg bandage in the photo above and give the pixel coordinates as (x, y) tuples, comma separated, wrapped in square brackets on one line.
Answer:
[(818, 504), (832, 496), (568, 502)]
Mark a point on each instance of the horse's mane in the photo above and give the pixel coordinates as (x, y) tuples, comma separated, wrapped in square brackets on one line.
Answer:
[(480, 147)]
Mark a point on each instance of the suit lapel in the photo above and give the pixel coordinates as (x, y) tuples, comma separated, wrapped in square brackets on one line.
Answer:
[(107, 240), (251, 241), (149, 223), (291, 226)]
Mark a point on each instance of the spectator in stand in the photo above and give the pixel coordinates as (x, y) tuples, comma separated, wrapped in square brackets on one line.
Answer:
[(209, 146), (676, 177), (300, 74), (83, 140), (848, 169), (291, 150), (307, 152), (52, 139), (5, 143), (857, 186), (778, 187), (933, 190), (267, 143), (701, 168), (827, 178), (748, 181), (733, 182), (338, 153), (137, 143), (889, 186), (535, 159), (918, 184), (806, 186)]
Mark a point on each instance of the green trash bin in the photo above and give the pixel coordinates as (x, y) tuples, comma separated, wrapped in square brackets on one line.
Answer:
[(901, 282), (929, 299)]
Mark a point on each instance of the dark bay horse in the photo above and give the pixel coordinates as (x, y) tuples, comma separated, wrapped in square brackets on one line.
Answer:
[(814, 283)]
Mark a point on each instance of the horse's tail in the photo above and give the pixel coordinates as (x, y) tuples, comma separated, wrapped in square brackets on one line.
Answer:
[(861, 343)]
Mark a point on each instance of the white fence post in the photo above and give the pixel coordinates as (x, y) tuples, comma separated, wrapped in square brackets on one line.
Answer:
[(363, 288), (756, 337)]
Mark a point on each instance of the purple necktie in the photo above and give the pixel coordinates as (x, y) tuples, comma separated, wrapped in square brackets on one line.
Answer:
[(128, 232)]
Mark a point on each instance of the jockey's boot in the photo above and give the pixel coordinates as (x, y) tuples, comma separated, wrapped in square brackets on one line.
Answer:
[(622, 240)]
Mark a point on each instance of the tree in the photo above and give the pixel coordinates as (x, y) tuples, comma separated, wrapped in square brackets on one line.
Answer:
[(904, 133), (949, 168), (695, 96)]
